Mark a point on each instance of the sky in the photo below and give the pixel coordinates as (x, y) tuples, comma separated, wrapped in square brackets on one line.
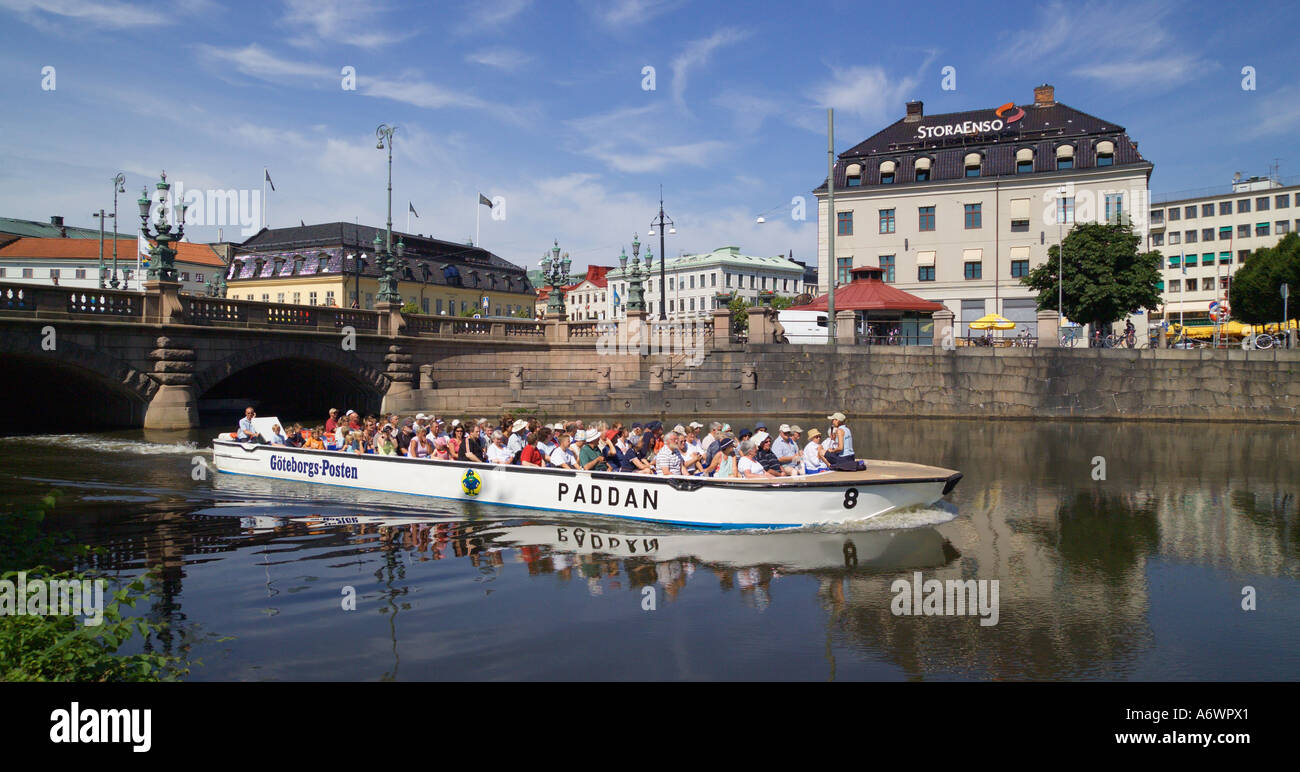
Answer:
[(548, 106)]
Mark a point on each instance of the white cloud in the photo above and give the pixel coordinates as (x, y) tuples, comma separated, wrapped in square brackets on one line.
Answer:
[(632, 12), (257, 62), (1149, 73), (620, 139), (351, 22), (104, 13), (698, 53), (508, 59), (868, 93), (486, 14), (1275, 114)]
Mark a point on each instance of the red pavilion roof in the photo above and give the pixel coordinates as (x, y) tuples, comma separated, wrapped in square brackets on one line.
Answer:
[(868, 292)]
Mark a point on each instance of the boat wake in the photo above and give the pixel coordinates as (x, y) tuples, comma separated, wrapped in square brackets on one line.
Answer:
[(106, 444)]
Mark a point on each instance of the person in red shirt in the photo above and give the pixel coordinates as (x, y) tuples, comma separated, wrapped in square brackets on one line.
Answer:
[(530, 455), (332, 423)]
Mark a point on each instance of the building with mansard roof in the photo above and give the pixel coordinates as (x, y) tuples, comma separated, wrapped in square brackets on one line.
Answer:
[(956, 207), (333, 264)]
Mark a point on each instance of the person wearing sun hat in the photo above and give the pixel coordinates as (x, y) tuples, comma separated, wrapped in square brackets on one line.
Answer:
[(814, 458), (591, 456), (841, 439), (517, 436), (786, 449)]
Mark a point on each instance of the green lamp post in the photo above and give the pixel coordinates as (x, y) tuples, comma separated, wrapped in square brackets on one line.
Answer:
[(162, 257)]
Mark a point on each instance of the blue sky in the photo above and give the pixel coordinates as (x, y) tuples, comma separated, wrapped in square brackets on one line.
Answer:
[(542, 102)]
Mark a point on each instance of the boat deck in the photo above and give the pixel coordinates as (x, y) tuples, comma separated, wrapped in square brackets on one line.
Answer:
[(877, 471)]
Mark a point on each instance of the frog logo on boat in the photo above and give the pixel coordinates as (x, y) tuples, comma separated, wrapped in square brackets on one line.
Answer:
[(471, 483)]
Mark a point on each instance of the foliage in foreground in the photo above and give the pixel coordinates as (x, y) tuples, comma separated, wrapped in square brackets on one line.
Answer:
[(64, 648)]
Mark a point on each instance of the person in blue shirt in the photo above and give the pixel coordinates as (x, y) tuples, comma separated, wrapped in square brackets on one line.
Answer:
[(246, 430)]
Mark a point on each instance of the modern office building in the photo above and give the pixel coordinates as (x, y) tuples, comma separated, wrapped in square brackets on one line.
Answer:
[(1204, 239), (957, 207), (694, 281), (325, 264)]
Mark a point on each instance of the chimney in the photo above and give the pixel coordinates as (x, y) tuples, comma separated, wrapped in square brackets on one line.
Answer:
[(57, 221), (914, 111), (1044, 96)]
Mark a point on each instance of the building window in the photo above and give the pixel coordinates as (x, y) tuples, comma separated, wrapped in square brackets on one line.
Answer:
[(925, 273), (1207, 234), (1225, 233), (1261, 204), (1175, 238), (1175, 213), (886, 220), (27, 273), (297, 298), (974, 270), (54, 273), (266, 297), (887, 263), (1261, 229), (974, 217), (1225, 207), (329, 297), (81, 272), (1025, 165), (1019, 268), (1189, 237), (1225, 258), (311, 298), (1207, 210), (923, 170), (1114, 207), (1105, 153), (1157, 216), (926, 214), (1175, 285), (1241, 255), (1190, 260), (1064, 157), (844, 221), (853, 175), (1243, 205), (1175, 260), (1157, 239), (843, 269), (713, 279), (728, 280), (762, 283), (692, 280), (1189, 212), (692, 304), (1065, 210), (670, 283), (279, 297), (1283, 201), (751, 280), (1243, 231), (1282, 227), (1207, 258), (973, 164), (887, 173)]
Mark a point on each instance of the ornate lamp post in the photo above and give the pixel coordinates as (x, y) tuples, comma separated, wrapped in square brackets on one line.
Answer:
[(635, 277), (161, 255), (659, 222), (388, 262), (119, 186), (555, 271)]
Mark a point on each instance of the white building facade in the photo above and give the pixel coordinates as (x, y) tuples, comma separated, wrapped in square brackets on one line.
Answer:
[(956, 208), (693, 282), (1205, 239)]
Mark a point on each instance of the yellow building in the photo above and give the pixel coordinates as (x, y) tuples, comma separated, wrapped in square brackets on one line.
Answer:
[(333, 264)]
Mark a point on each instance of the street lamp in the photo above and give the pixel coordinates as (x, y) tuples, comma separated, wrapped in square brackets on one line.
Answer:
[(1060, 256), (387, 261), (119, 186), (555, 271), (659, 222), (635, 276), (161, 255), (103, 272)]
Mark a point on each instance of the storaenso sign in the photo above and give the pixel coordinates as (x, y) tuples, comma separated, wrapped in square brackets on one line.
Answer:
[(1009, 110)]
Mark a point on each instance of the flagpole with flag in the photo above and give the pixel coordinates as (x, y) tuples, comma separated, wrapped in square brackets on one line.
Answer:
[(410, 210), (266, 180), (485, 201)]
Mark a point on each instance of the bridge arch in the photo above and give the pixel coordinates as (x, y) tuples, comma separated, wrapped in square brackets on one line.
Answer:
[(72, 387), (296, 380)]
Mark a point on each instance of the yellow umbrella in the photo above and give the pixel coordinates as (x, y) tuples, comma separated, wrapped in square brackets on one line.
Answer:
[(992, 322)]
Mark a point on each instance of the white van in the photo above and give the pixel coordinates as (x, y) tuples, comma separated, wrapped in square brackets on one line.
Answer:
[(803, 326)]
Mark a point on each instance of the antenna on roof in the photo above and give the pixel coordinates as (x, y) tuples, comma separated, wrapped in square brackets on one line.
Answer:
[(1236, 177)]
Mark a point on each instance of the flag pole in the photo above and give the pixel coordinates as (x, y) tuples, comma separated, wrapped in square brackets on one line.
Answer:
[(265, 174), (478, 212)]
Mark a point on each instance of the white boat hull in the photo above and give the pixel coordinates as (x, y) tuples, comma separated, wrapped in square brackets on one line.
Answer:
[(828, 498)]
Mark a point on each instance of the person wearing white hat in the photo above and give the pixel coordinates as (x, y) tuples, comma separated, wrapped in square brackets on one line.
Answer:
[(518, 432), (814, 458), (841, 439), (786, 448), (590, 455)]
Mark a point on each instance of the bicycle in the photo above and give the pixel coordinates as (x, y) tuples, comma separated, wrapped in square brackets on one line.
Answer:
[(1069, 338)]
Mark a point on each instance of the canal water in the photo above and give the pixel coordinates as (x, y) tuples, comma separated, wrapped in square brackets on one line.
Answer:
[(1120, 551)]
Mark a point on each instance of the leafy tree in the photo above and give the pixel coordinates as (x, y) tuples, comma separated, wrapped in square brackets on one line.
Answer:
[(410, 307), (1106, 278), (1255, 295)]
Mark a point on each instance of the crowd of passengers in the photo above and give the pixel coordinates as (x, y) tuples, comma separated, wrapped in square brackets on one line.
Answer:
[(648, 448)]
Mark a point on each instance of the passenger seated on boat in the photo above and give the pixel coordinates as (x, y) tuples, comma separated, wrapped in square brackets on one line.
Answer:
[(814, 457), (246, 431), (747, 465), (592, 456), (497, 452), (770, 463), (314, 442), (420, 446), (562, 456), (669, 459), (724, 459), (332, 423), (532, 454), (545, 441), (354, 443), (441, 449), (385, 445), (277, 436), (518, 436)]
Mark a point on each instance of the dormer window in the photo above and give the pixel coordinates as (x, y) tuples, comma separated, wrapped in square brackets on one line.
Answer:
[(1105, 153), (922, 169), (1064, 157), (854, 175), (887, 173), (972, 164), (1024, 160)]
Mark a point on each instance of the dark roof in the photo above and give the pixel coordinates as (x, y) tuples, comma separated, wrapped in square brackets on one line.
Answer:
[(47, 230), (427, 258), (1042, 129)]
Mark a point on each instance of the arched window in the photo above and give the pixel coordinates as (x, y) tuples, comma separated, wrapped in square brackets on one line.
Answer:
[(972, 164), (887, 173), (1105, 153), (1064, 157), (1024, 160), (922, 169), (854, 175)]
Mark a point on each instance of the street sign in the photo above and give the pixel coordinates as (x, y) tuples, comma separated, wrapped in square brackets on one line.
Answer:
[(485, 302)]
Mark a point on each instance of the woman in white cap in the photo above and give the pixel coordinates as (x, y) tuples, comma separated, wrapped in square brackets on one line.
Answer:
[(841, 439), (814, 458)]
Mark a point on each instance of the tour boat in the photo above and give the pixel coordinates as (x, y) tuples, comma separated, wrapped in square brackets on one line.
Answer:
[(702, 502)]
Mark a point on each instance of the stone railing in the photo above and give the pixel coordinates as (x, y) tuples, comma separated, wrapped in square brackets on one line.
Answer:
[(203, 310), (48, 299), (460, 326)]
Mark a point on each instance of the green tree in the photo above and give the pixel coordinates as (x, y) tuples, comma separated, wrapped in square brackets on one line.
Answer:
[(1255, 295), (739, 316), (410, 307), (1106, 278)]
